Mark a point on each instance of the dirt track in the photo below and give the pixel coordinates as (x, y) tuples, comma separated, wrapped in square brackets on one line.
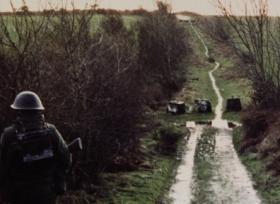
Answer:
[(181, 192), (231, 183)]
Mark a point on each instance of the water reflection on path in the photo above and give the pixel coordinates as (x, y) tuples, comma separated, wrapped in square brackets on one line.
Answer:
[(231, 183), (181, 192)]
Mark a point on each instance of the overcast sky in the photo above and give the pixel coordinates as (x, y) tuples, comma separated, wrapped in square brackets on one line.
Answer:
[(200, 6)]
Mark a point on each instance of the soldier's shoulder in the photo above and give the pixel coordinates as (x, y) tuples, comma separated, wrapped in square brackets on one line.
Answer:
[(8, 134), (51, 126)]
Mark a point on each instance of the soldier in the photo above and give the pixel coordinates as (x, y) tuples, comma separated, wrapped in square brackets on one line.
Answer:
[(33, 155)]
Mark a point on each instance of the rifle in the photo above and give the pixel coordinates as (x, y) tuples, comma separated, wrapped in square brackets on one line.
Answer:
[(76, 145), (73, 147)]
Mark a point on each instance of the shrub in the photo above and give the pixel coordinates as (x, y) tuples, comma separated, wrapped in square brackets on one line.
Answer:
[(255, 124), (162, 49), (169, 137), (113, 24)]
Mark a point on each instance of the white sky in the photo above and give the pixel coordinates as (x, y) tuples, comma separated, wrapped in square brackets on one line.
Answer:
[(200, 6)]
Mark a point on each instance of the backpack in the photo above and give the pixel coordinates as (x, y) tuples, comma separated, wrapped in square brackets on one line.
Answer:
[(31, 154)]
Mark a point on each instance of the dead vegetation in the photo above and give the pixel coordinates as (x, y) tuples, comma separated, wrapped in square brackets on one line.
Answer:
[(261, 136)]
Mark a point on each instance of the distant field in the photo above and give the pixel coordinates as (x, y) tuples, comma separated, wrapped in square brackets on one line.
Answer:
[(128, 20)]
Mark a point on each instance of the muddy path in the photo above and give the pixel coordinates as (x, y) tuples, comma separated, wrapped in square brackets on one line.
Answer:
[(231, 183), (181, 192)]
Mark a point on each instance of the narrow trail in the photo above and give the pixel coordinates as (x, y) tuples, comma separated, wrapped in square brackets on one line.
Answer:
[(201, 40), (231, 183)]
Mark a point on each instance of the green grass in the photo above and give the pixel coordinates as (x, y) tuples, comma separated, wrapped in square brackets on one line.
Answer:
[(152, 181), (204, 167), (95, 22), (199, 84), (181, 120), (203, 87), (232, 116), (228, 77), (144, 186), (267, 185), (231, 85)]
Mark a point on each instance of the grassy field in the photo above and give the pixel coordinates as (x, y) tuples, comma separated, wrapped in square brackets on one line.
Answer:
[(128, 20), (231, 85), (96, 20)]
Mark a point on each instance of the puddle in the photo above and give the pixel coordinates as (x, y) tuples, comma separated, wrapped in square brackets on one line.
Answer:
[(190, 124)]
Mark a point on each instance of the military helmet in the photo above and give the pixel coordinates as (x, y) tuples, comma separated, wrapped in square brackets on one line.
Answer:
[(27, 100)]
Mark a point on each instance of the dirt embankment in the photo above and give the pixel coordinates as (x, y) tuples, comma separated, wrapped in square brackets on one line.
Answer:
[(262, 137)]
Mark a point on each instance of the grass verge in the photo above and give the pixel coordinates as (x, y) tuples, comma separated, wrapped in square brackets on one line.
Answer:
[(151, 182), (203, 167), (266, 185)]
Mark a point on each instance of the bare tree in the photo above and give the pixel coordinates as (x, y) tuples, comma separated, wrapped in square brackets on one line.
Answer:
[(256, 39)]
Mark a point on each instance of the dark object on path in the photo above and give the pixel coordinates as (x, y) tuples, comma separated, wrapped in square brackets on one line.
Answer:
[(211, 60), (231, 125), (203, 106), (233, 104), (204, 122), (195, 79), (176, 107)]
